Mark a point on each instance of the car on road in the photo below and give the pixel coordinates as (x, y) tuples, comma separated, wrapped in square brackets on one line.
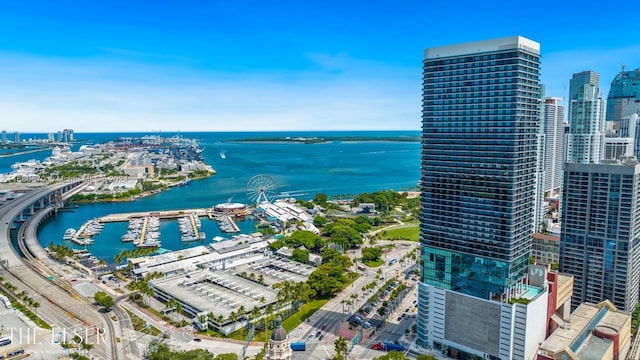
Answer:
[(318, 333), (324, 327), (197, 339), (321, 336), (309, 337)]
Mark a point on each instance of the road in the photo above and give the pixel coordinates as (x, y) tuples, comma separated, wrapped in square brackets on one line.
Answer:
[(62, 308), (331, 314)]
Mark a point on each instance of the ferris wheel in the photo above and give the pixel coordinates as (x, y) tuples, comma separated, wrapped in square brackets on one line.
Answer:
[(261, 188)]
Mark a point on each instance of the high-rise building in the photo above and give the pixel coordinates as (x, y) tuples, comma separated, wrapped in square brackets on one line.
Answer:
[(585, 142), (16, 137), (480, 124), (540, 211), (554, 145), (67, 135), (4, 137), (600, 240), (625, 90)]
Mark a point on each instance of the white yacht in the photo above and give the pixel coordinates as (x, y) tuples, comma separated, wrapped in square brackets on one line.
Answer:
[(68, 235)]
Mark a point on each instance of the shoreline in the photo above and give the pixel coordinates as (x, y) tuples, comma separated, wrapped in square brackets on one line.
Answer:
[(24, 152), (139, 196)]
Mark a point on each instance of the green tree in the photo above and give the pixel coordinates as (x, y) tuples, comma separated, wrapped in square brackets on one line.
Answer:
[(392, 355), (304, 238), (228, 356), (371, 254), (301, 256), (86, 347), (426, 357), (327, 279), (102, 299), (341, 347), (319, 221), (320, 199)]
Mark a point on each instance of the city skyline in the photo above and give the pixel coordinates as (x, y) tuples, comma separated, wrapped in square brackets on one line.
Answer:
[(284, 66)]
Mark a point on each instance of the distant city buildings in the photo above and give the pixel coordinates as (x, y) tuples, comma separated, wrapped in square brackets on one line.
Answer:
[(480, 125), (585, 142), (600, 241), (67, 135), (62, 136)]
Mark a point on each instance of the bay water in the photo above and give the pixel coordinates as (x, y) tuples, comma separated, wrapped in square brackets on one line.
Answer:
[(333, 168)]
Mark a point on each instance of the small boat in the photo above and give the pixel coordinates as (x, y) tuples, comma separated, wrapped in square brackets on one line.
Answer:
[(68, 235), (223, 154)]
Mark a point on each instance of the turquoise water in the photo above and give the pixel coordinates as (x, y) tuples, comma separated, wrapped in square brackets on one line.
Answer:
[(339, 167)]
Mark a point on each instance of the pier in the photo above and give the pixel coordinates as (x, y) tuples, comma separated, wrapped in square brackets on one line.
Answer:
[(86, 231), (196, 233), (226, 224), (166, 214), (143, 231)]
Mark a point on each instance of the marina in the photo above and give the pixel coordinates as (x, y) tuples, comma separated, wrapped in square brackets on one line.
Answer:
[(398, 168), (84, 235), (190, 228), (149, 233), (227, 224)]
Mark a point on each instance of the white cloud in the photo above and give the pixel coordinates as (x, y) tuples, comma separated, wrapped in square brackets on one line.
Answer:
[(46, 94)]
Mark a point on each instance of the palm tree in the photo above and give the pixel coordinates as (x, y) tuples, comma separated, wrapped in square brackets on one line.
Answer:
[(178, 308), (233, 317), (211, 317), (220, 321), (202, 319), (254, 314), (341, 348), (172, 304), (86, 347)]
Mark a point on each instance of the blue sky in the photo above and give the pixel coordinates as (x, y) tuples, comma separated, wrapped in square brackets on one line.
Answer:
[(270, 65)]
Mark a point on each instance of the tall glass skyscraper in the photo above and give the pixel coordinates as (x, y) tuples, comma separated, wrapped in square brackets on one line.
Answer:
[(481, 120), (480, 117), (585, 141), (625, 90)]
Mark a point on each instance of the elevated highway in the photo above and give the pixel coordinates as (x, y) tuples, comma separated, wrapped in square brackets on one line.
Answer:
[(64, 308)]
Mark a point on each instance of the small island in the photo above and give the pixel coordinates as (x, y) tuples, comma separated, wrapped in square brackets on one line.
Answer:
[(325, 139)]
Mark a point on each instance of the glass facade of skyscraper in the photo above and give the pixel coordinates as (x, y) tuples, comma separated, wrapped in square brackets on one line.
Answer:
[(480, 118), (625, 90)]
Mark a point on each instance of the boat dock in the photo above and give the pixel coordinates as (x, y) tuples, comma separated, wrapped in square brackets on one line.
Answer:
[(226, 224), (165, 214), (195, 227), (86, 231)]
